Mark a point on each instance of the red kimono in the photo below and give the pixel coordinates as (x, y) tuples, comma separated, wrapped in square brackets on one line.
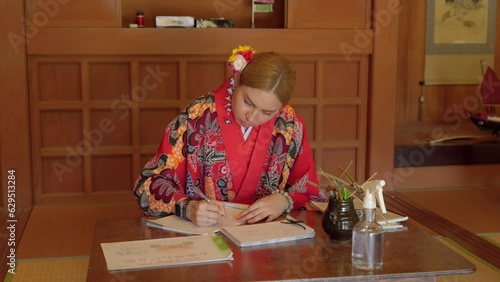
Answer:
[(204, 146)]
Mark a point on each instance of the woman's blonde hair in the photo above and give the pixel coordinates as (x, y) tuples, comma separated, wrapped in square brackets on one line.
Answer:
[(269, 71)]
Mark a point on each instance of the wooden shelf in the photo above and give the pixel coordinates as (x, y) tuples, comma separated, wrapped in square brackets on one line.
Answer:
[(144, 41), (239, 11)]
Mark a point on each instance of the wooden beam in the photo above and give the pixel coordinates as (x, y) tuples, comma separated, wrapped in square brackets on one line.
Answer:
[(144, 41)]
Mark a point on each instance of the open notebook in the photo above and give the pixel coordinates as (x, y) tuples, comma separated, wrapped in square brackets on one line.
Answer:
[(179, 225), (267, 233), (389, 220)]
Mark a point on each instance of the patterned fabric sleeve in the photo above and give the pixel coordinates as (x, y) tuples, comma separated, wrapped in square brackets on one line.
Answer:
[(303, 171), (164, 179)]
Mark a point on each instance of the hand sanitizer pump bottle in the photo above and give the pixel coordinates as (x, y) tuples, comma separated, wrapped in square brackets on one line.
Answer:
[(368, 235)]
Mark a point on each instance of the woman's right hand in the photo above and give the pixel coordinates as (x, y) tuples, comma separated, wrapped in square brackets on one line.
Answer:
[(202, 213)]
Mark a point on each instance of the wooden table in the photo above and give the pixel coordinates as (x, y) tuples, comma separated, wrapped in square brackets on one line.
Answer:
[(410, 255)]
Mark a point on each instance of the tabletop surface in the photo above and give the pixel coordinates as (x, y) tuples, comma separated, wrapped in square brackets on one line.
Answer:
[(408, 254)]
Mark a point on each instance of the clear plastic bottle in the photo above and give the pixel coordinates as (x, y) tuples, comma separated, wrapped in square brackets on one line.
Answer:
[(368, 235), (368, 243)]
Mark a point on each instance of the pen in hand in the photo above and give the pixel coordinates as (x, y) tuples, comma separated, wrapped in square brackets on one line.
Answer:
[(200, 193), (203, 196)]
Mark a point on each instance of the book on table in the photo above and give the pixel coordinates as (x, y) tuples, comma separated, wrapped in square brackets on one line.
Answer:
[(165, 252), (179, 225), (267, 233)]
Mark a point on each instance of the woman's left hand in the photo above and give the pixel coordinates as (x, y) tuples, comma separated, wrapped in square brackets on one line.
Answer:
[(270, 207)]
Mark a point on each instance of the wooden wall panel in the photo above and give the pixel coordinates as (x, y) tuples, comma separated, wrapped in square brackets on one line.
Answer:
[(328, 14), (341, 123), (341, 79), (203, 77), (118, 128), (156, 121), (111, 174), (66, 13), (93, 149), (109, 81), (158, 87), (60, 128), (60, 82), (339, 111), (69, 135), (306, 79), (55, 183)]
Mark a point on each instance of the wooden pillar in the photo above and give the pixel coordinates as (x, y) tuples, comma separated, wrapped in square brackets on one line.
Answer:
[(15, 151), (381, 112)]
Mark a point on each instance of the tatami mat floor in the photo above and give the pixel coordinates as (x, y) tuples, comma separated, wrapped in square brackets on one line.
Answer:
[(485, 272), (68, 269), (65, 231), (56, 243)]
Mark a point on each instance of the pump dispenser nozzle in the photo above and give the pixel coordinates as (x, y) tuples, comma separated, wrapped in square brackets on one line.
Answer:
[(374, 190)]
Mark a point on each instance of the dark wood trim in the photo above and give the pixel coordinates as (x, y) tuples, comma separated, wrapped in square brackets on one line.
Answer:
[(470, 241), (459, 153)]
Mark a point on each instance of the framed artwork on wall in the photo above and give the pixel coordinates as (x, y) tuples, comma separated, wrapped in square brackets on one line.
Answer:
[(459, 35)]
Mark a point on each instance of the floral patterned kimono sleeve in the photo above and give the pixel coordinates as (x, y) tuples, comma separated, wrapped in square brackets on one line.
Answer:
[(303, 173), (163, 180)]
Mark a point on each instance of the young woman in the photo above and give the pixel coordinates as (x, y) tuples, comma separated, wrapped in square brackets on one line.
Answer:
[(241, 143)]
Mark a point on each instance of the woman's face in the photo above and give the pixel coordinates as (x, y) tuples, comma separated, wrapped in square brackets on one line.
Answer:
[(253, 107)]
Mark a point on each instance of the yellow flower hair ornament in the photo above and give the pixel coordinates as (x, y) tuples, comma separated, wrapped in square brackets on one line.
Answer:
[(240, 58)]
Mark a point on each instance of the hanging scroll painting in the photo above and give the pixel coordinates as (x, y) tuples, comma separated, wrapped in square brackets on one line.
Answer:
[(459, 34)]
